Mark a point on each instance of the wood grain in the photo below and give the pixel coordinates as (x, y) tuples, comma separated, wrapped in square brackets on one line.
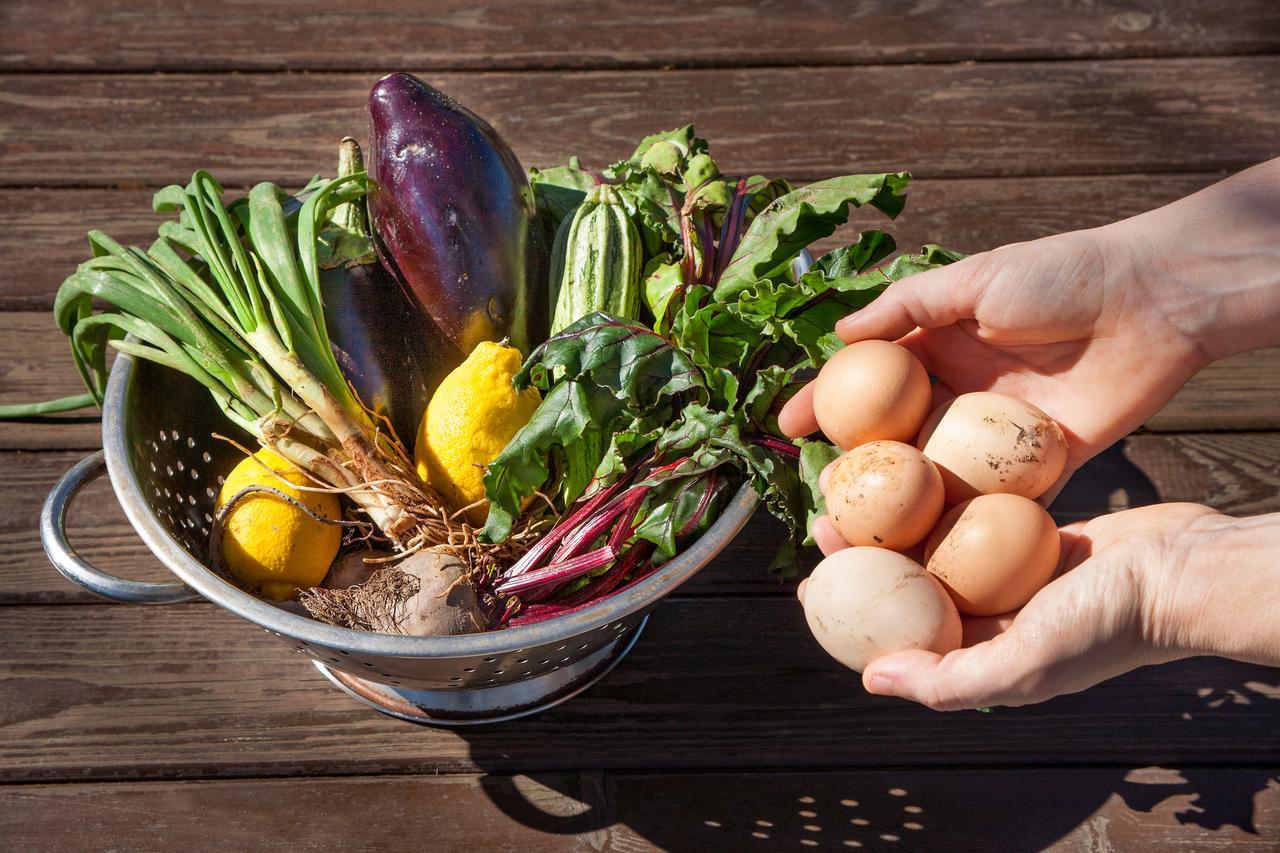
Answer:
[(1242, 392), (996, 119), (149, 35), (106, 692), (42, 231), (1237, 473), (36, 364), (538, 814), (1145, 810)]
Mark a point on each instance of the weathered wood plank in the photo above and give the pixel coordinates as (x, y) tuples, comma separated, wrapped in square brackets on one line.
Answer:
[(1181, 115), (42, 231), (502, 813), (1233, 472), (105, 692), (1242, 392), (36, 364), (143, 34), (1063, 810)]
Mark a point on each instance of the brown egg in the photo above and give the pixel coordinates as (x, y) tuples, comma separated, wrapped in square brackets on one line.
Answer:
[(884, 493), (862, 603), (987, 443), (993, 553), (871, 390)]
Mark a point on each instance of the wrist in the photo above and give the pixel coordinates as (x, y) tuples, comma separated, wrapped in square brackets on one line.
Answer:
[(1220, 594), (1210, 263)]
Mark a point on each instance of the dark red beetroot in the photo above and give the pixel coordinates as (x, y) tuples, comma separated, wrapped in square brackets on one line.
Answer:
[(453, 213)]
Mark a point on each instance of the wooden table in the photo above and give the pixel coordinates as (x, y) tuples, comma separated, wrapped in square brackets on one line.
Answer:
[(727, 729)]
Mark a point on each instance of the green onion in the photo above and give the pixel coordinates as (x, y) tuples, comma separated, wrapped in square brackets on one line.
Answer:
[(230, 296)]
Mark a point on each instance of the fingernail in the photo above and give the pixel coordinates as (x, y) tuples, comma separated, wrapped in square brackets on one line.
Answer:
[(846, 324), (880, 684)]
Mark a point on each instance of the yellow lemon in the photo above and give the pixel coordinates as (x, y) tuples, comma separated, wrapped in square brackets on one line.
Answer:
[(471, 417), (269, 544)]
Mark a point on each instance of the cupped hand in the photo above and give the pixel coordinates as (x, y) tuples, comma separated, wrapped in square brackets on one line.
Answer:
[(1111, 608), (1066, 322)]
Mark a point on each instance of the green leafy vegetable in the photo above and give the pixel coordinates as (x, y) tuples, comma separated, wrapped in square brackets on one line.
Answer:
[(793, 221), (689, 404)]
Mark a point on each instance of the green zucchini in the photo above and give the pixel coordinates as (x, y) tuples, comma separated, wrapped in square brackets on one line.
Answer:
[(597, 262)]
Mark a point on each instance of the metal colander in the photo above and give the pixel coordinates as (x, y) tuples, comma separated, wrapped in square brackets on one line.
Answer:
[(166, 469)]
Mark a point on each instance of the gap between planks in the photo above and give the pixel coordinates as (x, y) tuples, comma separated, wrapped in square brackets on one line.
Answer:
[(479, 68)]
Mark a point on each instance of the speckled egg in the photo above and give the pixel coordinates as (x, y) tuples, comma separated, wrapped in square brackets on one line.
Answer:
[(987, 443), (884, 493)]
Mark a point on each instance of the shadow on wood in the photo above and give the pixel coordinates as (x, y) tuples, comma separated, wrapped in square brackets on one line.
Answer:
[(1107, 808), (1108, 482)]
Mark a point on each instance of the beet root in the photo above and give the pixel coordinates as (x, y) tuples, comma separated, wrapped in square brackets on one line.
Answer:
[(429, 594)]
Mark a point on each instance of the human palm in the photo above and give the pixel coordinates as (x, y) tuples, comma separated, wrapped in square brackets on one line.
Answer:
[(1105, 614), (1099, 328), (1058, 322)]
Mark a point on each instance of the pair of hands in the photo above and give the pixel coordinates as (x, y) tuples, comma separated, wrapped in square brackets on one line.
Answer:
[(1097, 330)]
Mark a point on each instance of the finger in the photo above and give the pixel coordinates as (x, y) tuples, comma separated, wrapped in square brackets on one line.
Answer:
[(797, 418), (1000, 671), (800, 590), (1051, 494), (926, 300), (979, 629), (825, 477), (824, 533), (1075, 547)]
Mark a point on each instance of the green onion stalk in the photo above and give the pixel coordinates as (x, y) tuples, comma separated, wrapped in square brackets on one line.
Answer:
[(230, 295)]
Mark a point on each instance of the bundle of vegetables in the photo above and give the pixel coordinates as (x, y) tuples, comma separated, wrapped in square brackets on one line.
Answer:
[(651, 417), (240, 312), (682, 324), (240, 296)]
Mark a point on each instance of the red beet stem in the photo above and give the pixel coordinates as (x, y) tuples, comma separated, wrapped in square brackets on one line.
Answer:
[(708, 248), (562, 528), (703, 502), (576, 542), (535, 613), (625, 528), (731, 233), (777, 445), (607, 582), (557, 573)]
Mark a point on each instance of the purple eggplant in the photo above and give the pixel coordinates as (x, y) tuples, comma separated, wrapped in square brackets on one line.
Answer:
[(388, 347), (454, 216)]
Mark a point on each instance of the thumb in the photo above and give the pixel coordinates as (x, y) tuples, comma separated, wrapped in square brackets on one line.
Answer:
[(1004, 670), (927, 300)]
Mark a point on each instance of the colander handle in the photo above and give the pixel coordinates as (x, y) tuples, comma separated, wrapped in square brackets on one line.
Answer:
[(53, 535)]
